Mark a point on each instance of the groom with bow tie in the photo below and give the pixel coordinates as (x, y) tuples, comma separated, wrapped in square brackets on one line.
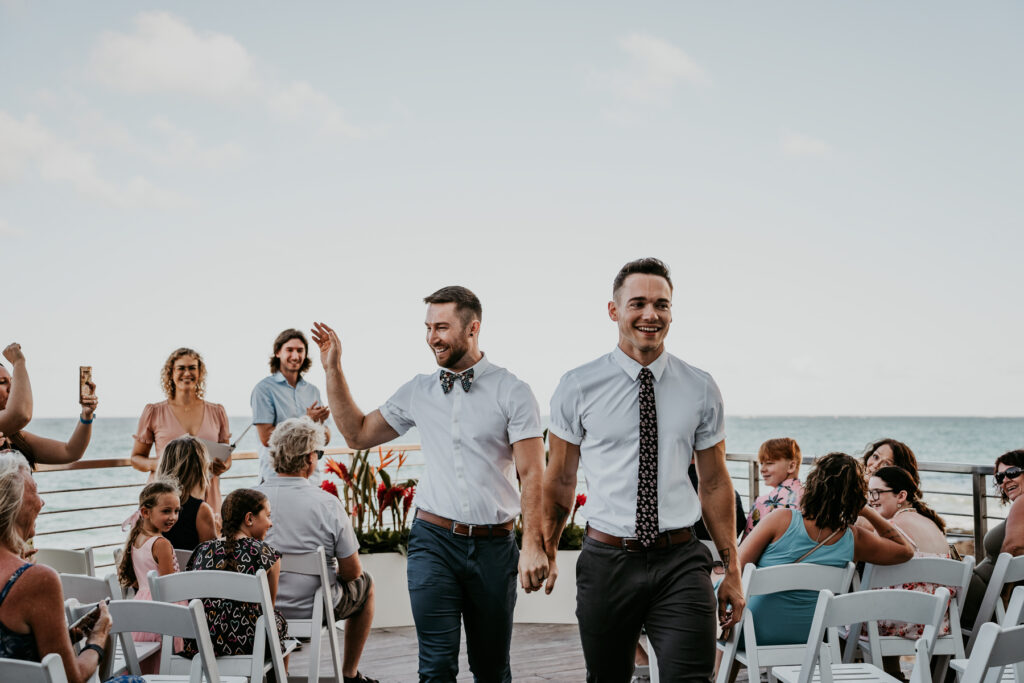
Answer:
[(479, 425)]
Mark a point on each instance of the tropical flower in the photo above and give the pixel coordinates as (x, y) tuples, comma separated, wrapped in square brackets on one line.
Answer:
[(581, 500), (329, 486)]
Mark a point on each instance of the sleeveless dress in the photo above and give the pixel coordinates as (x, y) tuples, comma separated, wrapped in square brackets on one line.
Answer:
[(184, 535), (16, 645), (785, 618), (143, 562), (888, 627)]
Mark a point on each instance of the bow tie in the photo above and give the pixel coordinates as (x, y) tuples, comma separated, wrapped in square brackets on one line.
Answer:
[(448, 380)]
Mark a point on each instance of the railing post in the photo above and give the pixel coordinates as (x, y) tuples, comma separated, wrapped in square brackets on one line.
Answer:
[(980, 513), (754, 481)]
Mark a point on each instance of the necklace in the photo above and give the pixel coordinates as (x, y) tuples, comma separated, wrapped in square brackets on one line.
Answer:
[(902, 510)]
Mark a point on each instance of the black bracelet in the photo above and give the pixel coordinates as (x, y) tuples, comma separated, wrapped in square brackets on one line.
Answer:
[(100, 650)]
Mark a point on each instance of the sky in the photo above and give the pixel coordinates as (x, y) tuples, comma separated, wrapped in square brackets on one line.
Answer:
[(832, 185)]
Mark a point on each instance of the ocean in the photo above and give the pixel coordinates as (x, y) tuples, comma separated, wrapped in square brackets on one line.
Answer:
[(969, 440)]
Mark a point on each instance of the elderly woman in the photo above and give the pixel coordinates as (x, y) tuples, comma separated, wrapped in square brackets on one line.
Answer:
[(16, 412), (32, 623), (890, 453), (184, 412), (305, 517)]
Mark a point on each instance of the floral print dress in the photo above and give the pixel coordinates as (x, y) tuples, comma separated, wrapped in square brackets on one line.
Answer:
[(915, 631), (232, 623), (785, 495)]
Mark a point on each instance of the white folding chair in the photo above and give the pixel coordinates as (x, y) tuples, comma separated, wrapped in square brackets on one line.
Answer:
[(998, 655), (50, 670), (184, 586), (1008, 569), (764, 581), (864, 606), (322, 618), (67, 561), (170, 621), (1013, 616), (944, 572), (183, 557)]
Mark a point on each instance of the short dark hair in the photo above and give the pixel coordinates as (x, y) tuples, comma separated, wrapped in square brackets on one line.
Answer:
[(645, 266), (284, 338), (467, 305)]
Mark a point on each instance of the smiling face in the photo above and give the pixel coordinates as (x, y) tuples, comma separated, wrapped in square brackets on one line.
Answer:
[(776, 471), (1011, 488), (31, 504), (888, 501), (185, 374), (5, 387), (454, 344), (882, 457), (164, 514), (259, 524), (642, 308), (292, 355)]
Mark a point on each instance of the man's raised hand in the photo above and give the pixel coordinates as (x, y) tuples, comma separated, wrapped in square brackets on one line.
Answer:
[(330, 345)]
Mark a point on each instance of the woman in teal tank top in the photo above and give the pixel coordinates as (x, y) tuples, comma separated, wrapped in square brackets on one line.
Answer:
[(835, 494)]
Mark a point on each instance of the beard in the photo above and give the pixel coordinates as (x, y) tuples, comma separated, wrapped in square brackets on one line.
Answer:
[(455, 354)]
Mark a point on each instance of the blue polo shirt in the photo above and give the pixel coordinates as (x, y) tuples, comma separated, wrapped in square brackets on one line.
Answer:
[(274, 401)]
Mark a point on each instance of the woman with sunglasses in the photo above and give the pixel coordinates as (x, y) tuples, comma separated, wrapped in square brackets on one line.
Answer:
[(1005, 537)]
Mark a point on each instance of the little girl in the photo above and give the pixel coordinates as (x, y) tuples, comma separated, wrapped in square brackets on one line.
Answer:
[(780, 463), (147, 549), (184, 460)]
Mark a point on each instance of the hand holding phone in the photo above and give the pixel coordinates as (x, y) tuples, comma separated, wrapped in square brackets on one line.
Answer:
[(85, 624)]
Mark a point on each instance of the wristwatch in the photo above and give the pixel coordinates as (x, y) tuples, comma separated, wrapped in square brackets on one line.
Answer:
[(100, 650)]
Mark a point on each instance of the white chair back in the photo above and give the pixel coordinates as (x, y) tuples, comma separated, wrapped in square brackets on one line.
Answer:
[(183, 556), (322, 616), (998, 654), (67, 561), (87, 589), (765, 581), (185, 586), (50, 670), (1008, 569)]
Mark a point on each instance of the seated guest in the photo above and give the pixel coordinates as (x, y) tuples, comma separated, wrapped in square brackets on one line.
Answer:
[(822, 531), (241, 549), (780, 465), (1005, 537), (16, 413), (890, 453), (308, 517), (32, 623), (185, 462)]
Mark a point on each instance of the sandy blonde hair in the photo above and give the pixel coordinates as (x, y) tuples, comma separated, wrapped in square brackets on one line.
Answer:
[(12, 494), (184, 459), (166, 375)]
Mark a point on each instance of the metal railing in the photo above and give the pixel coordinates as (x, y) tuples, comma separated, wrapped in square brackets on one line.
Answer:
[(68, 501)]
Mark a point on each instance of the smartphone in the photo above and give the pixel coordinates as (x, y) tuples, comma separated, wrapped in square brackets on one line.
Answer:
[(84, 381), (84, 625)]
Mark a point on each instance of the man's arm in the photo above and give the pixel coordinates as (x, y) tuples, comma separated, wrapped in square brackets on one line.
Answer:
[(360, 431), (533, 563), (559, 493), (263, 431), (719, 509), (18, 412)]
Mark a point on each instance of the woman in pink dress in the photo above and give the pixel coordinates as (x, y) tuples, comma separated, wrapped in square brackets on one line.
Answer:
[(184, 412)]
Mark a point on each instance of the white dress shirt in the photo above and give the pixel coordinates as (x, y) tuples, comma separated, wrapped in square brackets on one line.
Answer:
[(467, 441), (596, 406)]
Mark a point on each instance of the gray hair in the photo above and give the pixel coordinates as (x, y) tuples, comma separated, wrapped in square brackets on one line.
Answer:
[(12, 493), (292, 442)]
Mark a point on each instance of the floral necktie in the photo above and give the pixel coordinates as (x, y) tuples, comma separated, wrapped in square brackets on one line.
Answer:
[(647, 486), (448, 380)]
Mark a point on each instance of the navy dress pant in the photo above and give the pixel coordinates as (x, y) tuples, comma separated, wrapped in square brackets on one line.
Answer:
[(668, 591), (454, 579)]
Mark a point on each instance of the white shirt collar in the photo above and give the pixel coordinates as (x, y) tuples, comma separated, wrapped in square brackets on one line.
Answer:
[(632, 368)]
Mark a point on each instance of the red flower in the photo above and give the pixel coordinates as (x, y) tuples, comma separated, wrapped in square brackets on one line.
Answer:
[(581, 500), (329, 487), (407, 496), (382, 494), (338, 469)]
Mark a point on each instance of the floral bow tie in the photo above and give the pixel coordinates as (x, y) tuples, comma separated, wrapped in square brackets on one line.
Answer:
[(448, 380)]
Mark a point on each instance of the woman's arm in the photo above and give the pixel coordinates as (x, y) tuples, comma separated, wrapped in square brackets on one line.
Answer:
[(206, 525), (140, 457), (273, 574), (1013, 542), (45, 618), (767, 531), (18, 412), (163, 553), (885, 545)]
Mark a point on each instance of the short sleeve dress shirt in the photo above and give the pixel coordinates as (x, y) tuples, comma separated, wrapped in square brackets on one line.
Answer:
[(596, 407), (273, 401), (466, 440), (304, 517)]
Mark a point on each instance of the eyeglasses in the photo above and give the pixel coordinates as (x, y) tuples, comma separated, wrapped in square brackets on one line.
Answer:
[(319, 454), (1011, 473), (874, 494)]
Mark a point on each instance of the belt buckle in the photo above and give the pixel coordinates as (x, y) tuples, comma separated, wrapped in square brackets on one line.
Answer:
[(455, 531), (634, 539)]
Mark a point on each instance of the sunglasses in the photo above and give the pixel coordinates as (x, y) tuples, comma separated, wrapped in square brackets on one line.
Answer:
[(1011, 473), (319, 454), (875, 494)]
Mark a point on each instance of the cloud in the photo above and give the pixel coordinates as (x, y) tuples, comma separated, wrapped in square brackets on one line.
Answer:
[(182, 148), (8, 230), (656, 68), (166, 55), (27, 146), (799, 145)]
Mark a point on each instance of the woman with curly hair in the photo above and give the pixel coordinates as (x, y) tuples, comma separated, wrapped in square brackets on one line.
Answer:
[(822, 531), (185, 411), (890, 453)]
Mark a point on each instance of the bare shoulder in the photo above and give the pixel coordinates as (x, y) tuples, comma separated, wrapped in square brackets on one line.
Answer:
[(38, 577)]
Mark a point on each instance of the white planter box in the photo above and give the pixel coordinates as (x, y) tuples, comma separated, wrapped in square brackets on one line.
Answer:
[(392, 593)]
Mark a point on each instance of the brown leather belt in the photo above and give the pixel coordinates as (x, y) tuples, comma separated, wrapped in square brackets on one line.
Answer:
[(462, 529), (633, 545)]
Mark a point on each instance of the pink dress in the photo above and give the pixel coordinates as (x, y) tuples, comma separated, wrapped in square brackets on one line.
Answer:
[(144, 562), (159, 426)]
